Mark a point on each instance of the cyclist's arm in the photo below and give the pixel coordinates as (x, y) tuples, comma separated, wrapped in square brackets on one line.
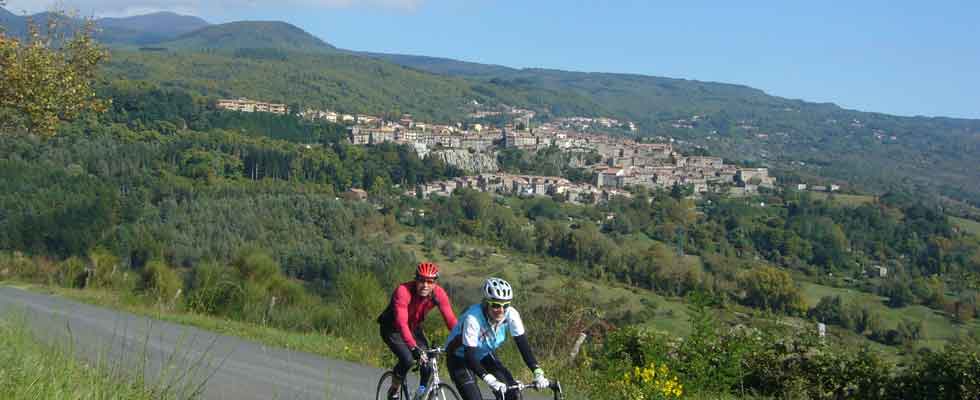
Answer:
[(520, 337), (470, 331), (445, 307), (400, 300), (526, 353)]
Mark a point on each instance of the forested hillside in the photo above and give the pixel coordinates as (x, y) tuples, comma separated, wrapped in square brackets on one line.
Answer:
[(802, 140), (335, 81), (877, 151), (250, 35)]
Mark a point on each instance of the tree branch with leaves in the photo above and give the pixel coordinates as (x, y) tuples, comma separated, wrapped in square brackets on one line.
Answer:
[(47, 77)]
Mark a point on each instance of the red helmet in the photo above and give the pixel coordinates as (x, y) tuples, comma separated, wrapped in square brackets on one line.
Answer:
[(427, 270)]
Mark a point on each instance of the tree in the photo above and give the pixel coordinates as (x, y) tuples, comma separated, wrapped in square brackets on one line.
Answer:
[(910, 330), (829, 310), (771, 289), (898, 292), (47, 77)]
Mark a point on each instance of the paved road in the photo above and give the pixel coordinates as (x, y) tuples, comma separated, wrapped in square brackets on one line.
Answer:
[(223, 367), (233, 368)]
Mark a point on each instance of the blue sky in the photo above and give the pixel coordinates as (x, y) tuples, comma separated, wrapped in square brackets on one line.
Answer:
[(896, 57)]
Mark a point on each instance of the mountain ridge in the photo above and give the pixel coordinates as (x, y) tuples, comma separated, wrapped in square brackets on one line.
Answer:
[(250, 35), (135, 30), (162, 23)]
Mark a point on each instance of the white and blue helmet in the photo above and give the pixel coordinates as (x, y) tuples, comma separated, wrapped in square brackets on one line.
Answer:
[(497, 289)]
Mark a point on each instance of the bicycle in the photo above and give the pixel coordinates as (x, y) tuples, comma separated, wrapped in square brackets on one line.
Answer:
[(435, 389), (555, 387)]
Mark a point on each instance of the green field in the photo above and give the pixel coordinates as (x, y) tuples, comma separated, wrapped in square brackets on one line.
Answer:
[(939, 329), (853, 200), (967, 225)]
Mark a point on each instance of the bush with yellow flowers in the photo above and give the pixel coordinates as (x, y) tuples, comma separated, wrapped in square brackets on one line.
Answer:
[(651, 382)]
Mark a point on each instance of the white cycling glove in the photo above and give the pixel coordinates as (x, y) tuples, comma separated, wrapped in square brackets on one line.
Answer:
[(495, 385), (540, 381)]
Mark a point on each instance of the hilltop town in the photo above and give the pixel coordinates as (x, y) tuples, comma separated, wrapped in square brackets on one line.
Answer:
[(615, 163)]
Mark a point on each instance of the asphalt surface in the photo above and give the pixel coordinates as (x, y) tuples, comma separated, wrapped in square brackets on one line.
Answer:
[(185, 359)]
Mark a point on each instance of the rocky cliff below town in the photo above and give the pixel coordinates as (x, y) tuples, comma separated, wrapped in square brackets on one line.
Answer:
[(474, 163)]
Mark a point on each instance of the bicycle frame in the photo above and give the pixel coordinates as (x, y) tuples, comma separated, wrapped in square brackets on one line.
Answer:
[(433, 366)]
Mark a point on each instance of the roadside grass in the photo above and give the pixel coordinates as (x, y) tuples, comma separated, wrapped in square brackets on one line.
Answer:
[(367, 352), (852, 200), (938, 329), (32, 370), (967, 225)]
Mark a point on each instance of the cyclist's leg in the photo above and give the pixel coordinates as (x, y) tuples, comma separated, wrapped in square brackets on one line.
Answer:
[(394, 340), (423, 343), (493, 366), (463, 378)]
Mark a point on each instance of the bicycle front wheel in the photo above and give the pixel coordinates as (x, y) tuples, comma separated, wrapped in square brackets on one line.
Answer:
[(443, 392), (384, 384)]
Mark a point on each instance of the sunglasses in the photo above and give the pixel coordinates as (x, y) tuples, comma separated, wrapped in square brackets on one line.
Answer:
[(494, 304), (426, 280)]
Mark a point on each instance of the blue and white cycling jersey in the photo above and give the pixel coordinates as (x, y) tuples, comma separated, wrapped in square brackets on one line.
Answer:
[(477, 332)]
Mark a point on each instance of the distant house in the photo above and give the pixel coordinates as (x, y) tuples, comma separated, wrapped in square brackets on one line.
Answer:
[(246, 105), (610, 177), (358, 136), (355, 194), (877, 271)]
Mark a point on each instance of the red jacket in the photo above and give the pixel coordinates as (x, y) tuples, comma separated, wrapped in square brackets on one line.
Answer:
[(409, 309)]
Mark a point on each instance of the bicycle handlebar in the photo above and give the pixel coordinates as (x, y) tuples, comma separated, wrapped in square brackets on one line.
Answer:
[(434, 352), (555, 387), (431, 354)]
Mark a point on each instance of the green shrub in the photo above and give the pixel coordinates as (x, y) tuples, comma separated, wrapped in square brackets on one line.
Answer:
[(710, 360), (802, 367), (770, 288), (71, 273), (359, 293), (328, 319), (106, 270), (286, 291), (632, 347), (160, 282), (16, 264), (953, 373), (251, 289), (256, 265), (215, 289)]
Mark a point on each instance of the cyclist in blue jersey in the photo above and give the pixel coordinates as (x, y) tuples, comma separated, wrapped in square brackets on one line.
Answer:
[(481, 329)]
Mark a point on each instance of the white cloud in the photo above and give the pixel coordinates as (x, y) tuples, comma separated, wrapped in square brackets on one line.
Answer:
[(111, 8)]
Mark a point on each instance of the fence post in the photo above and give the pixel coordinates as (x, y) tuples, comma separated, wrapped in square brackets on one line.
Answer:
[(272, 303), (578, 344)]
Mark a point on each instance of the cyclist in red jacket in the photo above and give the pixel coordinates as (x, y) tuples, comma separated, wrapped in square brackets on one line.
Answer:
[(401, 322)]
